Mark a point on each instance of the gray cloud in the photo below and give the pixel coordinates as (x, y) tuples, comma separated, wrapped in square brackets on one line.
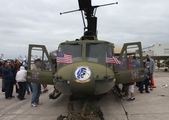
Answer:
[(24, 22)]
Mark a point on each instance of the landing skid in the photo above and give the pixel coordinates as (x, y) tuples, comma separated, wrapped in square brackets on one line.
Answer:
[(78, 97), (54, 95)]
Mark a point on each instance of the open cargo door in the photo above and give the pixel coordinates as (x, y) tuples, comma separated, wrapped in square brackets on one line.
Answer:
[(46, 74), (131, 68)]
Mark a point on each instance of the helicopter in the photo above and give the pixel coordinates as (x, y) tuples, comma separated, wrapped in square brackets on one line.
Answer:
[(86, 66)]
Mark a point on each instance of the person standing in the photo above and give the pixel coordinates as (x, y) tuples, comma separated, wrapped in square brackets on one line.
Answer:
[(36, 87), (21, 79), (8, 80), (136, 63), (16, 69), (28, 84), (151, 65), (132, 64), (131, 91), (146, 77), (1, 76)]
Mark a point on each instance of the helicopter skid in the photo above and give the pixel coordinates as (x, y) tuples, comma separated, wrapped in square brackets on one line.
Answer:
[(54, 95), (78, 97)]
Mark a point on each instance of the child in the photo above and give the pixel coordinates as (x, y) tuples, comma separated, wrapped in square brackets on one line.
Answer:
[(131, 84), (131, 91)]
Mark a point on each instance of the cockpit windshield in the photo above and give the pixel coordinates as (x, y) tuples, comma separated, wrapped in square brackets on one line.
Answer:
[(96, 52)]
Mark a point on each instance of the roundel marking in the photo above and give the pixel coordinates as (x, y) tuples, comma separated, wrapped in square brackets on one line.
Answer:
[(82, 73)]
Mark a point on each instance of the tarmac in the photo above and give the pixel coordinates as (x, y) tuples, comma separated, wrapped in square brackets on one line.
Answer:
[(149, 106)]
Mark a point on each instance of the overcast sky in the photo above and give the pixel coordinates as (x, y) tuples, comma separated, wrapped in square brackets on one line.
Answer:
[(24, 22)]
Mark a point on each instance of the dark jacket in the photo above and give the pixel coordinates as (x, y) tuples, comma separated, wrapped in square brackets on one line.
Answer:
[(0, 71), (8, 75)]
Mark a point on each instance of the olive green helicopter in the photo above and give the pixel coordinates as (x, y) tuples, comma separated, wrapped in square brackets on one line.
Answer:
[(87, 66)]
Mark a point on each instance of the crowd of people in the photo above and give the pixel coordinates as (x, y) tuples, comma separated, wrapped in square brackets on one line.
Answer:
[(149, 67), (14, 73)]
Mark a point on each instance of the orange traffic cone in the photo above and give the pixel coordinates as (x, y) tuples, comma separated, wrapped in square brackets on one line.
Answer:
[(152, 83)]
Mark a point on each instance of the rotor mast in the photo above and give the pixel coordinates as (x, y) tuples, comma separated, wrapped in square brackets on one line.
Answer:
[(88, 12)]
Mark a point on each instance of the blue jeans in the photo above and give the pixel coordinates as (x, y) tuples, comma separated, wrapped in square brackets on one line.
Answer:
[(36, 92), (28, 85)]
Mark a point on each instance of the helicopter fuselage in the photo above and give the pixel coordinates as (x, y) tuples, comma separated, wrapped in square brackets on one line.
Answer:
[(88, 74)]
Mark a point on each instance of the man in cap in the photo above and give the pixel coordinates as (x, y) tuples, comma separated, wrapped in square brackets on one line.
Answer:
[(36, 87)]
